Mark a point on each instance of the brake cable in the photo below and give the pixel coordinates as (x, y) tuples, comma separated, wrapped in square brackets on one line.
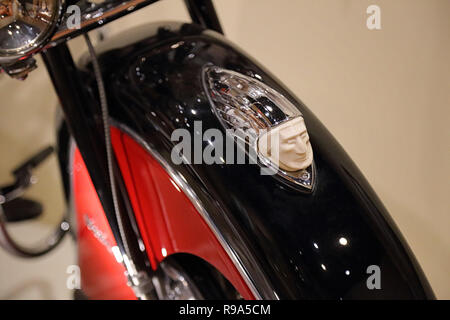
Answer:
[(141, 284)]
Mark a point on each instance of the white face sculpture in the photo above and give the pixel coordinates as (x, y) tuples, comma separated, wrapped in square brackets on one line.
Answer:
[(265, 120), (292, 141)]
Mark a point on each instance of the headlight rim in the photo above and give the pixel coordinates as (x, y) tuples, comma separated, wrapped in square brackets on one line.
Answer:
[(10, 56)]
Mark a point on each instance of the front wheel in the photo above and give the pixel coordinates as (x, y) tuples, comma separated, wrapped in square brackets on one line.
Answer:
[(185, 277)]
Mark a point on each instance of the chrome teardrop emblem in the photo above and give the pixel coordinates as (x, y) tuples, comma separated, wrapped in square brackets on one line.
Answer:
[(266, 121)]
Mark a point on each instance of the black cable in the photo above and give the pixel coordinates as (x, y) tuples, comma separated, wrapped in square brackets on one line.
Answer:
[(107, 132)]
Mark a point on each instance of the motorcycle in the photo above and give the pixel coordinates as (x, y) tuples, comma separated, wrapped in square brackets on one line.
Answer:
[(191, 172)]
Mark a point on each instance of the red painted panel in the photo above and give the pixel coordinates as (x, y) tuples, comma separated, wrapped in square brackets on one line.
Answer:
[(102, 277), (167, 220)]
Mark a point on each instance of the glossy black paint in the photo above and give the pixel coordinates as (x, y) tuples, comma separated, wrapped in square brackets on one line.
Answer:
[(287, 240), (83, 121), (202, 12), (82, 118), (95, 15)]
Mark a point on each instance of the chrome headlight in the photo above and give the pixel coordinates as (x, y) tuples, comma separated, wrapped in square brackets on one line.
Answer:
[(25, 25)]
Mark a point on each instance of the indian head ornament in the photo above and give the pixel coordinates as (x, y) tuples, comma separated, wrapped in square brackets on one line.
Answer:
[(266, 121)]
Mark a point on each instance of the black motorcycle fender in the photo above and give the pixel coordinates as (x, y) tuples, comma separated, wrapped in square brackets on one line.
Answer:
[(288, 243)]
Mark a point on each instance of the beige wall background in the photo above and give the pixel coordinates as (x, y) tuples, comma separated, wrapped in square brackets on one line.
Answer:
[(384, 94)]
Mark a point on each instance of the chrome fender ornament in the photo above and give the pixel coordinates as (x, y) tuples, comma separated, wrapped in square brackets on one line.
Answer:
[(266, 121)]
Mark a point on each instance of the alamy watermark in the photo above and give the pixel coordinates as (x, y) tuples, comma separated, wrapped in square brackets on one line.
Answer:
[(74, 17), (73, 281), (374, 280), (373, 21), (212, 146)]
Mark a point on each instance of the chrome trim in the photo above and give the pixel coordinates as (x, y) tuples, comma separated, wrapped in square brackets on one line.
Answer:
[(238, 103), (12, 55), (180, 181), (97, 15), (185, 288), (71, 201), (139, 281), (293, 179)]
